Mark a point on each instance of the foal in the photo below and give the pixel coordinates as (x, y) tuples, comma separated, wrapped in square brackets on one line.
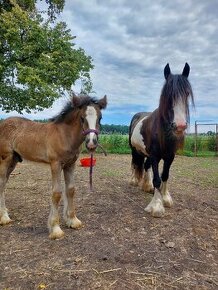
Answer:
[(56, 143), (157, 136)]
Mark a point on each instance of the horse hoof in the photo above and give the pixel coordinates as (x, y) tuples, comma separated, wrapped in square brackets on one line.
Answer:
[(74, 223), (148, 189), (156, 210), (5, 220), (133, 183), (168, 202), (158, 213), (57, 233)]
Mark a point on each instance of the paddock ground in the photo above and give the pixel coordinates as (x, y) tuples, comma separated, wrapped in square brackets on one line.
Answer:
[(120, 246)]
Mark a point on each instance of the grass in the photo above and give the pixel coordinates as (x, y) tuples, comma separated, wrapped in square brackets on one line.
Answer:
[(119, 144)]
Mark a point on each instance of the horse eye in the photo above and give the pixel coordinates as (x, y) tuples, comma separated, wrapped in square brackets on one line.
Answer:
[(82, 119)]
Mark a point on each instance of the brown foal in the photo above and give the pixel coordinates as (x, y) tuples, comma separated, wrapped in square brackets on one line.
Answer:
[(57, 143)]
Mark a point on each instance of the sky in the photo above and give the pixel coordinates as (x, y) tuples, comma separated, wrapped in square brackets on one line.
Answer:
[(130, 43)]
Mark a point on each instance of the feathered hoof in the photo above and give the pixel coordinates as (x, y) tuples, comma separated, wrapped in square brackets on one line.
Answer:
[(57, 233), (133, 183), (148, 188), (168, 202), (158, 213), (4, 220), (156, 209), (74, 223)]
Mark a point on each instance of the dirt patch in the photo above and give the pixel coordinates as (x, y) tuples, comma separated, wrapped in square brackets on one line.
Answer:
[(120, 246)]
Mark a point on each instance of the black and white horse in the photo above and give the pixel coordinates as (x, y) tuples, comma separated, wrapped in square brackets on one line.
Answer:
[(157, 136)]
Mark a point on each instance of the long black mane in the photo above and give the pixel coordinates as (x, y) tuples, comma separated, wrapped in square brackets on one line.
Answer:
[(71, 106), (176, 87)]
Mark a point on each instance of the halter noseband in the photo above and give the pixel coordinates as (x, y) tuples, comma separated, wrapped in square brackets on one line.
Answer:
[(86, 132)]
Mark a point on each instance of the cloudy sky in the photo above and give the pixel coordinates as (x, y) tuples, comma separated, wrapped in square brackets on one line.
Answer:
[(131, 42)]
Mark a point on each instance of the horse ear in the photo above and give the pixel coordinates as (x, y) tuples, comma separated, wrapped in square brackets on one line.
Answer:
[(75, 100), (186, 70), (167, 71), (103, 102)]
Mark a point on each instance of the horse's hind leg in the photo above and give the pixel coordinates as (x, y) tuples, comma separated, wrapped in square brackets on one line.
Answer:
[(69, 208), (147, 184), (7, 165), (137, 167), (53, 220)]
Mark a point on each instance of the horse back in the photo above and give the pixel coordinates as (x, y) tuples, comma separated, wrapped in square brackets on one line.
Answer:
[(135, 119)]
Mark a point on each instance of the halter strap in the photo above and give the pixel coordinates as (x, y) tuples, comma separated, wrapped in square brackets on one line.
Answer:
[(86, 132)]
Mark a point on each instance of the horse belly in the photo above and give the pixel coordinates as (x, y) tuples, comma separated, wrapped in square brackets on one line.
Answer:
[(31, 150), (137, 140)]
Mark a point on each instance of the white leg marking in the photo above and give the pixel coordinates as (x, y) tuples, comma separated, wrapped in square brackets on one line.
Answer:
[(134, 180), (69, 209), (147, 184), (167, 199), (155, 207), (53, 220), (4, 217)]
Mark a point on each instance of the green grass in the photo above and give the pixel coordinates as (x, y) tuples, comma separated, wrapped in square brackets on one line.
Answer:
[(119, 144)]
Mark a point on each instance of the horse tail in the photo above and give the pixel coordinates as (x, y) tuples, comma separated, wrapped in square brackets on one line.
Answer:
[(137, 163)]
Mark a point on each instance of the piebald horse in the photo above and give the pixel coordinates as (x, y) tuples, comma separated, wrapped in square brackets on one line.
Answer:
[(56, 143), (158, 135)]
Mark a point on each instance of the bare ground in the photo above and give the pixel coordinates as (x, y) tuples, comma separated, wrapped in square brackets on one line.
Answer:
[(120, 246)]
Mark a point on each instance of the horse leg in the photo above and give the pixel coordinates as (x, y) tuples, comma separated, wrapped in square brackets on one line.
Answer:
[(147, 185), (53, 220), (4, 217), (155, 207), (167, 199), (7, 165), (69, 209), (137, 167)]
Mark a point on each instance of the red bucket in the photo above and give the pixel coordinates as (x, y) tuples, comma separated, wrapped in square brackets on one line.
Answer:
[(86, 162)]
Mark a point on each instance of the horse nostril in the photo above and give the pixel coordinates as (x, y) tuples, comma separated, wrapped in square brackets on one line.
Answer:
[(173, 125)]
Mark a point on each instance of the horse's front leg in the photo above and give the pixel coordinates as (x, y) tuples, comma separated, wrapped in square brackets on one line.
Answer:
[(4, 217), (167, 199), (7, 165), (155, 207), (53, 220), (69, 207)]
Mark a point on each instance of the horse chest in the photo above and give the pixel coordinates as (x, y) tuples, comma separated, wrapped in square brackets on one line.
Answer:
[(137, 139)]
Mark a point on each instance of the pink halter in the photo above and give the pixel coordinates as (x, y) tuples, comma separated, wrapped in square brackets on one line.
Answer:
[(86, 132)]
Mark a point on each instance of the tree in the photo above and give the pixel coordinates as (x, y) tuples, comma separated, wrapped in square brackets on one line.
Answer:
[(38, 61)]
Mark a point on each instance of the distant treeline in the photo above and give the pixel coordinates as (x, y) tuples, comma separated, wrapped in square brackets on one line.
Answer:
[(117, 129)]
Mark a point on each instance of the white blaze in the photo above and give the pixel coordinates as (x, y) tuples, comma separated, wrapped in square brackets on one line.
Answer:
[(91, 117), (179, 113)]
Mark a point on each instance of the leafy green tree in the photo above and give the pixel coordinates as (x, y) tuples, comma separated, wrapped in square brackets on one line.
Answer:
[(38, 61)]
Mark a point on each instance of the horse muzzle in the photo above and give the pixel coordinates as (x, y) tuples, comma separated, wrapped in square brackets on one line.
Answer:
[(179, 129), (91, 139)]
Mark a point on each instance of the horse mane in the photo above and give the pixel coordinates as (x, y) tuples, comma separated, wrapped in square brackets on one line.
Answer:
[(176, 87), (70, 107)]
